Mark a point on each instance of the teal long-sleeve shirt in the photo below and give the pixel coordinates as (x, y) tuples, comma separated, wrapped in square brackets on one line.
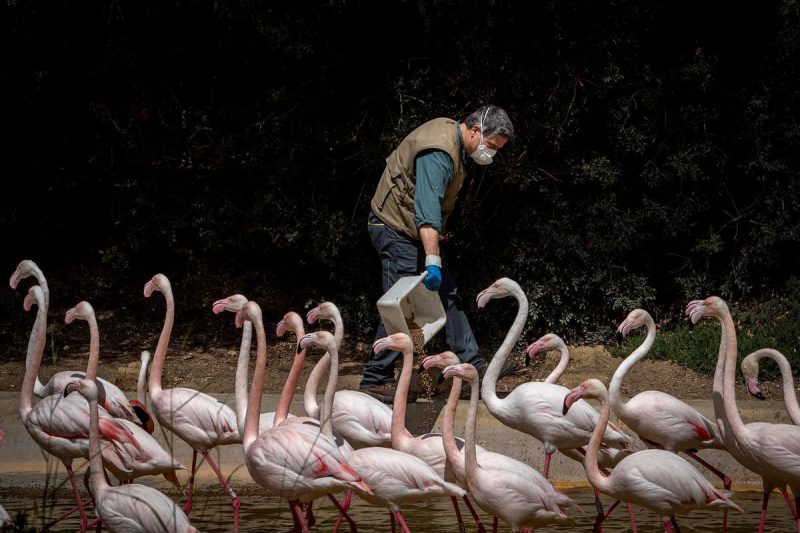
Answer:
[(433, 170)]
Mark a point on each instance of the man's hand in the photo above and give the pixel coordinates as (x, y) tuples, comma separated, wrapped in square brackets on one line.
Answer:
[(433, 264)]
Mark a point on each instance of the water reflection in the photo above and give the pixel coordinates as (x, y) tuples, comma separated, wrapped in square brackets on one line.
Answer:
[(212, 513)]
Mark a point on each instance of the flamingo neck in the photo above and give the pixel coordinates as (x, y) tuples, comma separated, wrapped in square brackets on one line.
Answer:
[(400, 434), (163, 341), (338, 328), (141, 382), (240, 380), (94, 348), (36, 344), (97, 478), (38, 387), (285, 400), (620, 407), (789, 396), (454, 456), (555, 375), (593, 473), (719, 370), (254, 398), (489, 385), (728, 386), (471, 452), (326, 424), (310, 404)]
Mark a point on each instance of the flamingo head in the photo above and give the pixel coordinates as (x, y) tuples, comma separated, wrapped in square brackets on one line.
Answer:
[(86, 387), (291, 322), (320, 339), (25, 268), (440, 360), (545, 343), (502, 288), (82, 311), (35, 296), (159, 282), (592, 389), (465, 371), (635, 319), (325, 310), (141, 412), (397, 341), (233, 303), (711, 306), (750, 375), (251, 311)]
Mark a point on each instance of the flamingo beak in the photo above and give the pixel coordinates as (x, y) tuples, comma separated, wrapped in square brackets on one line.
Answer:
[(219, 306), (239, 319), (70, 316), (570, 399), (754, 389), (313, 315)]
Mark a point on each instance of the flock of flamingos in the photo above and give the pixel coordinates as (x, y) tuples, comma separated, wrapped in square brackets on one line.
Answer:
[(353, 443)]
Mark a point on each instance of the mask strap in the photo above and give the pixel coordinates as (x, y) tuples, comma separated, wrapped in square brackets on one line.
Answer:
[(485, 114)]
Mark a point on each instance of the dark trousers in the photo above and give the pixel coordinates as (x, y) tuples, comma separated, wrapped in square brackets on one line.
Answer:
[(402, 256)]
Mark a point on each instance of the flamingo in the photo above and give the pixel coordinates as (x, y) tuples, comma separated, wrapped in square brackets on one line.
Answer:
[(200, 420), (770, 450), (658, 480), (362, 420), (234, 304), (430, 446), (394, 477), (139, 405), (58, 424), (750, 374), (502, 486), (112, 399), (293, 460), (145, 457), (658, 417), (535, 408), (129, 508)]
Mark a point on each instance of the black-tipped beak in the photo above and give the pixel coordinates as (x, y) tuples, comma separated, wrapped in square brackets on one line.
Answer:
[(527, 360), (299, 349), (619, 337), (759, 395), (565, 408), (440, 379)]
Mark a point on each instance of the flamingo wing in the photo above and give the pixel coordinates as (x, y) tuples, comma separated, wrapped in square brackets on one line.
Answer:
[(198, 418)]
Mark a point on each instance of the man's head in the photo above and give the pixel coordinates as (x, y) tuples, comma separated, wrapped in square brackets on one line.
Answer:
[(485, 131)]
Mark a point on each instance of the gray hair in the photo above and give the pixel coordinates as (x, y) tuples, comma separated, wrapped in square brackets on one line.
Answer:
[(495, 121)]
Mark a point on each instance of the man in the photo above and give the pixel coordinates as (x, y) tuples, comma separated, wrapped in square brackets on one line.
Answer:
[(414, 197)]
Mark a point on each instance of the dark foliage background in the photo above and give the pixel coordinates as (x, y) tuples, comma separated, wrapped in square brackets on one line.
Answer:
[(234, 146)]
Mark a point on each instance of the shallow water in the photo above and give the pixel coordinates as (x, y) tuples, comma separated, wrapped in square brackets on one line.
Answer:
[(212, 513)]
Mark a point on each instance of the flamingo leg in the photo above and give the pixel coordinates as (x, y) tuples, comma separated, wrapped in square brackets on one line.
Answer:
[(343, 507), (391, 515), (234, 498), (475, 516), (297, 515), (797, 519), (546, 468), (461, 527), (667, 525), (494, 524), (76, 493), (726, 482), (764, 503), (632, 517), (188, 506), (789, 502), (598, 522), (675, 523), (311, 520), (402, 522)]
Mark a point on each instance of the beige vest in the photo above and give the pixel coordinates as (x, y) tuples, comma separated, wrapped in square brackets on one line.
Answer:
[(393, 201)]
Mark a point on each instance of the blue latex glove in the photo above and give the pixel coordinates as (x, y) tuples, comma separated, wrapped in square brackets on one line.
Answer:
[(434, 278)]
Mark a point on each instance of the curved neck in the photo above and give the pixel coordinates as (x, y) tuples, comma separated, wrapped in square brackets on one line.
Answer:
[(97, 478), (94, 348), (254, 399), (240, 381), (399, 432), (141, 381), (310, 394), (40, 279), (489, 385), (338, 328), (729, 386), (454, 457), (163, 341), (285, 401), (598, 480), (555, 375), (619, 374), (326, 425), (34, 359), (719, 370), (37, 273), (470, 451), (789, 396)]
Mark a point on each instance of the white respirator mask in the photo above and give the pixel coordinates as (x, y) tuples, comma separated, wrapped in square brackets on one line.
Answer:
[(483, 155)]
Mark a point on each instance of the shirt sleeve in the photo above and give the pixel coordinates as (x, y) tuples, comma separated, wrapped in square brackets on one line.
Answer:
[(434, 170)]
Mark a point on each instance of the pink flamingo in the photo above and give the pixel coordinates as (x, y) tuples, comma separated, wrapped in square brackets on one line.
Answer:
[(129, 508), (293, 460), (200, 420), (140, 403), (658, 480), (770, 450), (145, 456), (750, 374), (360, 419), (58, 424), (234, 304), (112, 399), (394, 477), (502, 486)]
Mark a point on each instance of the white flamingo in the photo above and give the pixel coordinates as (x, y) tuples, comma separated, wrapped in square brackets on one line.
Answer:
[(395, 478), (362, 420), (200, 420), (292, 460), (112, 399), (145, 457), (750, 373), (126, 508), (58, 424), (502, 486), (770, 450)]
